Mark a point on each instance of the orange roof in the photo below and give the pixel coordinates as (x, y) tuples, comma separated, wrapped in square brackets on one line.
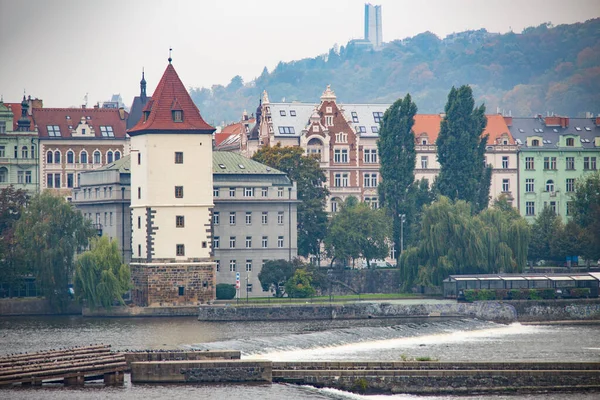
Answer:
[(232, 129), (67, 119), (430, 124), (170, 95)]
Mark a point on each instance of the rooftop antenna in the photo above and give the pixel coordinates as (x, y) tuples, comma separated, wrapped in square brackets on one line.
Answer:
[(170, 59)]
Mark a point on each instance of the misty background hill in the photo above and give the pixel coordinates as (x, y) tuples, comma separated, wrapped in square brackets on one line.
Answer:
[(543, 69)]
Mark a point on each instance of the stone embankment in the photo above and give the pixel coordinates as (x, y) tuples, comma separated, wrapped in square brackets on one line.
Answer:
[(498, 311)]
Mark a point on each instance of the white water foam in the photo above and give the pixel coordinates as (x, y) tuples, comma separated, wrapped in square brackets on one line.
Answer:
[(348, 350)]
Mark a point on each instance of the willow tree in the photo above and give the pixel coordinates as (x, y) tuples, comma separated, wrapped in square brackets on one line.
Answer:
[(396, 146), (461, 150), (50, 232), (100, 277)]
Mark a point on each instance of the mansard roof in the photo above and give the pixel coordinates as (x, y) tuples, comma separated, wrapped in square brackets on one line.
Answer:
[(67, 120), (158, 114)]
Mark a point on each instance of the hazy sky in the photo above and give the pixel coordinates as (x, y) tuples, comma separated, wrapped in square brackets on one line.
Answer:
[(60, 50)]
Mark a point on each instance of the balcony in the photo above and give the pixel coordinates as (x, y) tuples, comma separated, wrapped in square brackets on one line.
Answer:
[(346, 189)]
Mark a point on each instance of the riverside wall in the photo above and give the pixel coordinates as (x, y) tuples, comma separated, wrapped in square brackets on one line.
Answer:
[(33, 306), (201, 371), (498, 311)]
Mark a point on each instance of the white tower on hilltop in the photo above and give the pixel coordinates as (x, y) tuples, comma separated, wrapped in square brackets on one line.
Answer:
[(373, 25), (171, 199)]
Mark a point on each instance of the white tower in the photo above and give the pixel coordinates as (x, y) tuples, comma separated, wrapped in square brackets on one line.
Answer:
[(171, 199)]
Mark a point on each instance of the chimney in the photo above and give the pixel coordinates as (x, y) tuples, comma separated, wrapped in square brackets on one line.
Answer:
[(552, 121), (508, 121), (35, 103), (564, 122), (83, 106), (96, 106), (121, 113)]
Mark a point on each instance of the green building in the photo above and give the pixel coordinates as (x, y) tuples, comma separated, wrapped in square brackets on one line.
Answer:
[(554, 153), (19, 159)]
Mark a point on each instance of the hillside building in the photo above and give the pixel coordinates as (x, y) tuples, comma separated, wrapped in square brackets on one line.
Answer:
[(373, 28), (171, 205), (554, 153)]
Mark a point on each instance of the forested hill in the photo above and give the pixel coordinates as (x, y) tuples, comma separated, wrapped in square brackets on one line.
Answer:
[(546, 68)]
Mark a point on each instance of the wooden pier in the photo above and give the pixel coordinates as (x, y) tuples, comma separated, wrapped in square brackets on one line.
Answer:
[(71, 366)]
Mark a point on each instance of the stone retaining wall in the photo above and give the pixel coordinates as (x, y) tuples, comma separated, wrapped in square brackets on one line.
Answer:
[(183, 311), (556, 310), (201, 371), (33, 306), (175, 355)]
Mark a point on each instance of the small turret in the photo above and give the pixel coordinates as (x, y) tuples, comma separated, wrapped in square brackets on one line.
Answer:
[(24, 124)]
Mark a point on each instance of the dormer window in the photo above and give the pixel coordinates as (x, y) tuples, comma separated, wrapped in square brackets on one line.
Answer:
[(424, 142), (535, 143), (146, 115), (177, 116), (570, 142)]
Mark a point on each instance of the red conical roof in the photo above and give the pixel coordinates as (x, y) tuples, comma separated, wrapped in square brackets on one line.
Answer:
[(170, 95)]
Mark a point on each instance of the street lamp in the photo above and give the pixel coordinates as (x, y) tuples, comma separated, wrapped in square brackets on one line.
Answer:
[(402, 221)]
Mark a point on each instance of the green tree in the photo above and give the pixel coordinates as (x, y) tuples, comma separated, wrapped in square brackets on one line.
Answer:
[(12, 202), (100, 277), (586, 214), (356, 231), (50, 232), (225, 291), (461, 150), (274, 274), (309, 178), (300, 284), (546, 226), (396, 146)]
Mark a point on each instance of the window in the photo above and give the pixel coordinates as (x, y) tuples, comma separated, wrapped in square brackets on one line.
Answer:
[(280, 242), (288, 130), (334, 205), (70, 157), (329, 120), (340, 156), (97, 157), (179, 192), (424, 161), (549, 162), (27, 176), (328, 110), (550, 185), (529, 185), (248, 192), (69, 180), (535, 143), (215, 192), (109, 157), (340, 180), (117, 155), (180, 250), (232, 242), (292, 113), (570, 184), (232, 218), (265, 242), (589, 163), (529, 208), (139, 192), (216, 242), (341, 137), (248, 242), (553, 207), (139, 158), (24, 152), (505, 185), (248, 217), (57, 180), (249, 267), (2, 126), (179, 221), (570, 142), (504, 162), (107, 131), (179, 157), (2, 151), (53, 130), (361, 129), (49, 157), (20, 176), (375, 129), (373, 202), (370, 156), (282, 113), (216, 218), (377, 116), (84, 157), (177, 116), (569, 208), (218, 265), (231, 192), (593, 163), (529, 163), (264, 192), (232, 267), (370, 180), (354, 117), (264, 218), (139, 250), (570, 163), (57, 157), (280, 217), (139, 222), (181, 290)]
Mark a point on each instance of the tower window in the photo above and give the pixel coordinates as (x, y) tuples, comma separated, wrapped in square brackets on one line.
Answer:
[(179, 192), (179, 157), (179, 221), (180, 250)]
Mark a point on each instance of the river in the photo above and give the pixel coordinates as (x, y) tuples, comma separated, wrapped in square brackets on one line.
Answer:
[(446, 340)]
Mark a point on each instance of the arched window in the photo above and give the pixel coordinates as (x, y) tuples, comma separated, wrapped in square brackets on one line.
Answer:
[(49, 157), (70, 157), (3, 175), (117, 155), (83, 157), (24, 152), (550, 185), (334, 204), (97, 157), (315, 147), (109, 157), (57, 157)]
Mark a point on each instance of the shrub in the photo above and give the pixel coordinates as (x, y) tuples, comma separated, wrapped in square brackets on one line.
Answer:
[(486, 294), (470, 295), (225, 291), (426, 358), (501, 294), (535, 294), (578, 293), (360, 385), (518, 294), (547, 294)]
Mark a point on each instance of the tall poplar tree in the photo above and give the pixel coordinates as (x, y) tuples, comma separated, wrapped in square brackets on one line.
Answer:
[(396, 146), (461, 150)]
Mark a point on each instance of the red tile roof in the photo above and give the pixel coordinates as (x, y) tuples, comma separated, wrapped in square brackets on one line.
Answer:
[(170, 94), (94, 117), (16, 110), (430, 124), (495, 128), (232, 129)]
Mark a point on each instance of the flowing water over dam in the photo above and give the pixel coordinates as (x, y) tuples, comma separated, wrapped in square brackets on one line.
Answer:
[(447, 340)]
